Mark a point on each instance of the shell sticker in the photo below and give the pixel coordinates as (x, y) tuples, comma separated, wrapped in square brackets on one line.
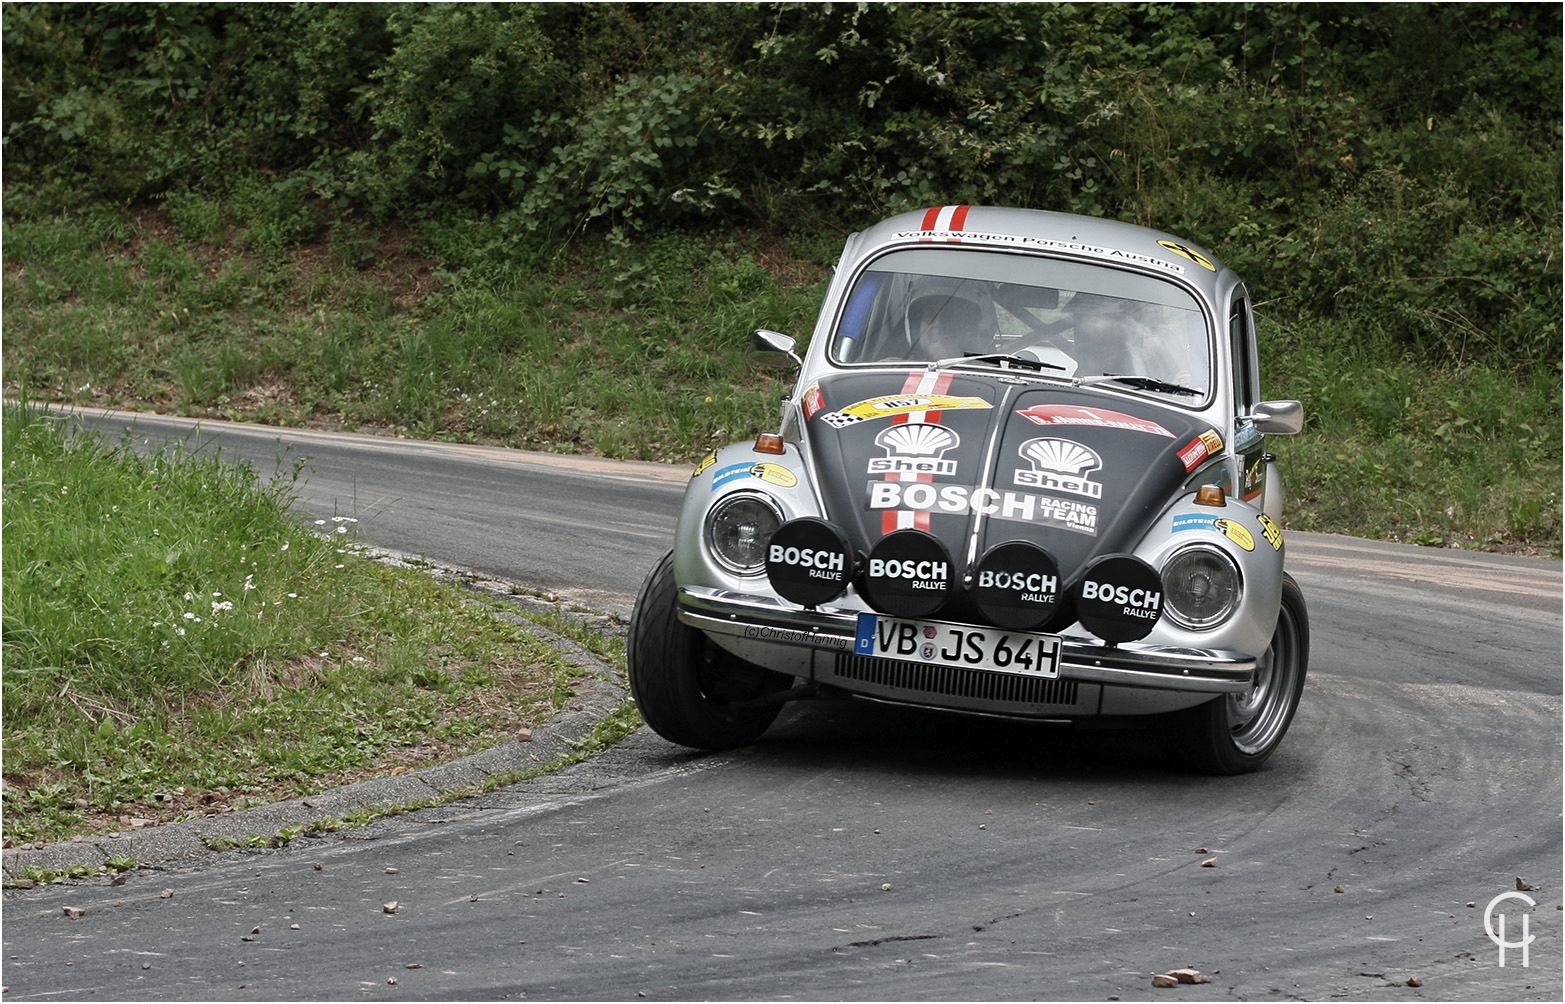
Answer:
[(1188, 252), (899, 404), (1234, 532)]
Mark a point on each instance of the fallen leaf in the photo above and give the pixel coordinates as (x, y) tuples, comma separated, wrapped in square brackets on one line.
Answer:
[(391, 907), (74, 912), (118, 879)]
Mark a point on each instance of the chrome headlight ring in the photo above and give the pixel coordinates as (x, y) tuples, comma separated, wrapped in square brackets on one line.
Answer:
[(1202, 587), (738, 528)]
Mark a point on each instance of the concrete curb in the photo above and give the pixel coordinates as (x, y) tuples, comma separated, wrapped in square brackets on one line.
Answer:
[(600, 690)]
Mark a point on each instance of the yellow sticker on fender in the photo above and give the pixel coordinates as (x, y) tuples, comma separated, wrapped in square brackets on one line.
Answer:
[(1236, 533), (1270, 530), (704, 463), (899, 404), (774, 474)]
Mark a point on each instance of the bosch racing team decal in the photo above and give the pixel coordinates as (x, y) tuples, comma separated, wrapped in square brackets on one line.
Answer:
[(963, 500)]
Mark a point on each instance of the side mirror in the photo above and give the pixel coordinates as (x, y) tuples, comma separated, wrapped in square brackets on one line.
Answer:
[(775, 348), (1282, 418)]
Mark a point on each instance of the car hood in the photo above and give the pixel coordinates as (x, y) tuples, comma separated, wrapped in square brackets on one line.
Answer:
[(978, 460)]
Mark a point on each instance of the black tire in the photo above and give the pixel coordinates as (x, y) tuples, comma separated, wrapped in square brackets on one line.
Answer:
[(684, 685), (1236, 733)]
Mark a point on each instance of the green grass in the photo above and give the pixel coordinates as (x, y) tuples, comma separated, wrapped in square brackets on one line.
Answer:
[(177, 642), (467, 330)]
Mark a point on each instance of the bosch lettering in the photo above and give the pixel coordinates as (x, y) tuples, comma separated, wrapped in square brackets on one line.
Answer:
[(1021, 507), (891, 568), (1030, 582), (830, 561), (1107, 592)]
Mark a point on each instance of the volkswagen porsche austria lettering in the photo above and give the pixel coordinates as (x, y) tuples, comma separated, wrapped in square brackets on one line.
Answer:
[(1023, 472)]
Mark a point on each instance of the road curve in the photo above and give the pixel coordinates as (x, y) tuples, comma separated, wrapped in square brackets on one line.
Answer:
[(864, 852)]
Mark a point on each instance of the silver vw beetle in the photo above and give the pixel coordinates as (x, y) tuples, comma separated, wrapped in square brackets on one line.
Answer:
[(1022, 473)]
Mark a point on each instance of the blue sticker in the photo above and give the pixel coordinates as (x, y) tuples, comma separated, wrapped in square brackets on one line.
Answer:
[(730, 473), (864, 644), (1191, 521), (1246, 437)]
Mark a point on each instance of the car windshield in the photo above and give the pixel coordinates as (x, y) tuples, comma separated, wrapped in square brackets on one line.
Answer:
[(1078, 320)]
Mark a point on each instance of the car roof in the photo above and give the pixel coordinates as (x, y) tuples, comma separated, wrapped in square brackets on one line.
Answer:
[(1084, 237)]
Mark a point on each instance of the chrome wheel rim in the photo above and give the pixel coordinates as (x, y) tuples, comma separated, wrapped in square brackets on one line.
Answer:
[(1258, 717)]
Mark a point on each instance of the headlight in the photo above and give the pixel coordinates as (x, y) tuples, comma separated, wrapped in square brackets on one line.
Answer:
[(1201, 587), (738, 529)]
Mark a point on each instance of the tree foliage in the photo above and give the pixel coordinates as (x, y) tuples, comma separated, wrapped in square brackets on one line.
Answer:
[(1394, 164)]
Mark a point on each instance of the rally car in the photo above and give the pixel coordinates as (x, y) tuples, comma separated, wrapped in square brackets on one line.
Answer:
[(1023, 472)]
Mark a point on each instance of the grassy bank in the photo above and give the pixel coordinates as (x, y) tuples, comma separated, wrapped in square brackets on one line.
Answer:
[(461, 330), (177, 643)]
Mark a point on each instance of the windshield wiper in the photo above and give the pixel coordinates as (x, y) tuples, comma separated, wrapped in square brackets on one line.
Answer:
[(1025, 362), (1142, 382)]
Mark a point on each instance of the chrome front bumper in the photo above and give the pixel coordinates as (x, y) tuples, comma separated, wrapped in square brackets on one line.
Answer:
[(767, 620)]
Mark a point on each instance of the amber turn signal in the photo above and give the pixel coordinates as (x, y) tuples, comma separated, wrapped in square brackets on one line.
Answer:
[(771, 442), (1210, 495)]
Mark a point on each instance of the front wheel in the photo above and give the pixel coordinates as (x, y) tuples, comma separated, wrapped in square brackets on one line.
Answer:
[(1236, 733), (689, 690)]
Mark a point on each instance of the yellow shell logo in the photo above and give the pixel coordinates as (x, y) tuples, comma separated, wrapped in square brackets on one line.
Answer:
[(1236, 533), (774, 474)]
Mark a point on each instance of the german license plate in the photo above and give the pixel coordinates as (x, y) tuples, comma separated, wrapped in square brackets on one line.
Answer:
[(940, 643)]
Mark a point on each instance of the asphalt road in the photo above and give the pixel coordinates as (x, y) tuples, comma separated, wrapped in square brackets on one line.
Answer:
[(867, 852)]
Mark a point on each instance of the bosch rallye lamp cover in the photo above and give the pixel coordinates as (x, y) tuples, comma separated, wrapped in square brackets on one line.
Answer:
[(1024, 473)]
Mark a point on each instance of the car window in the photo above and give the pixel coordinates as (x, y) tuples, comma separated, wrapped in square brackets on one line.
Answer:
[(938, 303)]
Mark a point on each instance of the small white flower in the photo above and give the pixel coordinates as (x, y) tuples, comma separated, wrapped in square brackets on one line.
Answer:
[(189, 616), (320, 522), (216, 595), (189, 596), (222, 605), (358, 658), (179, 630), (285, 545), (342, 529), (339, 566), (325, 655), (293, 596)]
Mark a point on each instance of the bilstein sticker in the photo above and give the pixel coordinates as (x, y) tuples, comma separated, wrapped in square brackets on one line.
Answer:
[(1234, 532), (1193, 522), (1066, 414), (772, 474), (1021, 507), (1270, 530), (899, 404)]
